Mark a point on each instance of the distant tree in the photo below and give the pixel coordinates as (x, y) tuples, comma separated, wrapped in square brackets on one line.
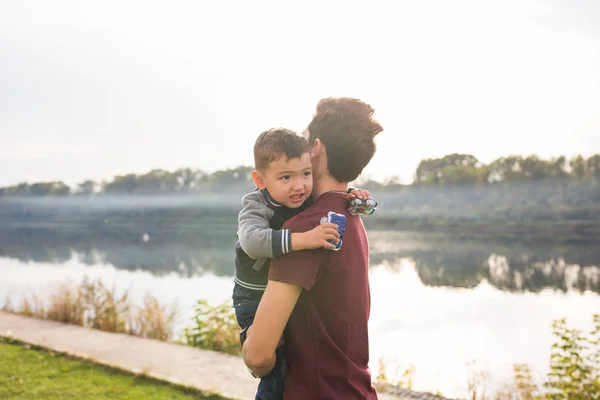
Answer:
[(535, 169), (231, 177), (483, 173), (188, 179), (121, 184), (38, 189), (431, 171), (21, 189), (458, 175), (87, 187), (577, 165), (506, 169), (157, 181), (393, 183), (592, 166), (558, 168), (59, 189)]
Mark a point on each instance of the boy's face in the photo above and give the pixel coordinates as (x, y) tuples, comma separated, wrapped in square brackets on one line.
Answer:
[(289, 181)]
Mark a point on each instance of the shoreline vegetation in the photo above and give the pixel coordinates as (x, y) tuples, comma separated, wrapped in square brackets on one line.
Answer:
[(574, 363), (92, 304)]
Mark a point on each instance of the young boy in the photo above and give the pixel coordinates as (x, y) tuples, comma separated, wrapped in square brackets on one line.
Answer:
[(283, 177)]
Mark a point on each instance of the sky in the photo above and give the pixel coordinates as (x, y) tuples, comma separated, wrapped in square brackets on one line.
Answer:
[(89, 90)]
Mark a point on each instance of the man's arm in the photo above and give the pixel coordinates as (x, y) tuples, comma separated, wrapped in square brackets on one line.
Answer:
[(265, 333), (288, 275)]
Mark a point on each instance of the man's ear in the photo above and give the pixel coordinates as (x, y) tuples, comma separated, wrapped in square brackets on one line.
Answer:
[(258, 179), (317, 148)]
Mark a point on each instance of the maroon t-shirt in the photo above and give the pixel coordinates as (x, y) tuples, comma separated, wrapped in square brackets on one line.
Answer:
[(326, 340)]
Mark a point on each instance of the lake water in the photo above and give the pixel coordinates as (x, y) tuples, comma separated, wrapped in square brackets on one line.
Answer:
[(449, 306)]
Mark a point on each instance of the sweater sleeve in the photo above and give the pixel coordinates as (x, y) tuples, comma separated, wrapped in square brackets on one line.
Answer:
[(255, 235)]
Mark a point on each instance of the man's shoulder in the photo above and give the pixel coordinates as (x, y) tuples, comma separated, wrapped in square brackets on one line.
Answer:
[(307, 219)]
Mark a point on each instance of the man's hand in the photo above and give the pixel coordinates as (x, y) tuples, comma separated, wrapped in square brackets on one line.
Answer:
[(316, 238)]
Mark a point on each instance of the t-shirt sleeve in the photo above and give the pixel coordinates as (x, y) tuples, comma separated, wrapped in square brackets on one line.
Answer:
[(303, 268)]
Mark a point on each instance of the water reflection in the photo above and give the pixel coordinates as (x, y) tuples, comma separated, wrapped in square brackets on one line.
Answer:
[(513, 265), (419, 316), (444, 331), (510, 264), (159, 252)]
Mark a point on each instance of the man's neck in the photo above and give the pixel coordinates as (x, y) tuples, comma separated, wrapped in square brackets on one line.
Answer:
[(327, 183)]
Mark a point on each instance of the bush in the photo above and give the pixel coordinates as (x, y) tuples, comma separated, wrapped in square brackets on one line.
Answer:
[(93, 305), (574, 363), (214, 328)]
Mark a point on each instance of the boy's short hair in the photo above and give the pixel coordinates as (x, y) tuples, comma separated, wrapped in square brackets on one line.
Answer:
[(347, 128), (275, 142)]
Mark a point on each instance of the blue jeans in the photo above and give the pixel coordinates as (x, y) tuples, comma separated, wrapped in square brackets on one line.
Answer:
[(245, 303)]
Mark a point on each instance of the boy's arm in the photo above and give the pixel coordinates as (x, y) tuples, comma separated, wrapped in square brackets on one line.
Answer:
[(258, 240), (255, 235)]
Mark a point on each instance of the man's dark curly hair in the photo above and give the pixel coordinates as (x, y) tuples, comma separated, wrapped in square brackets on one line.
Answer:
[(347, 128)]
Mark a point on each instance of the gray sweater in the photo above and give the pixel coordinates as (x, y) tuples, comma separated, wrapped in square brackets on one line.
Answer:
[(260, 238)]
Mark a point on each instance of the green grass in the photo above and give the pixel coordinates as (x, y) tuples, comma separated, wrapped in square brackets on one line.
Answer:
[(33, 373)]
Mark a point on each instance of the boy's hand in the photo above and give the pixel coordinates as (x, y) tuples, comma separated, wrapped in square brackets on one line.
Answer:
[(316, 238), (361, 194), (319, 236)]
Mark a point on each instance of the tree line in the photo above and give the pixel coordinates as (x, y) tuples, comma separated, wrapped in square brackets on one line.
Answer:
[(466, 169), (450, 170), (156, 181)]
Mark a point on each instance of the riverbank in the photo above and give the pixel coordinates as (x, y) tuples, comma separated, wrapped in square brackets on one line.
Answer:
[(30, 372), (205, 370)]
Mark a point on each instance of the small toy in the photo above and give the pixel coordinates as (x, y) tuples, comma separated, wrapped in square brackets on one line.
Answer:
[(358, 206), (340, 221)]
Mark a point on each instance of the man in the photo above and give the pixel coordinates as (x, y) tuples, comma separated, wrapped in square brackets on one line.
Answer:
[(324, 294)]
